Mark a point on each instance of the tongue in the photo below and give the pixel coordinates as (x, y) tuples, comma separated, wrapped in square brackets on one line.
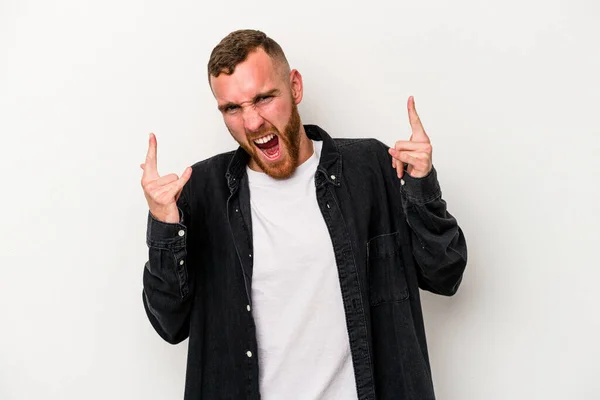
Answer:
[(271, 151)]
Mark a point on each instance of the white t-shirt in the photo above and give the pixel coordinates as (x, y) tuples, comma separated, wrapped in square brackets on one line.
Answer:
[(303, 344)]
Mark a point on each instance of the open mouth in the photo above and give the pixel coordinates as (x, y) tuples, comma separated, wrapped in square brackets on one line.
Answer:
[(269, 146)]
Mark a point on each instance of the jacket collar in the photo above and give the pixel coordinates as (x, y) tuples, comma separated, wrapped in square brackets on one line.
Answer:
[(328, 171)]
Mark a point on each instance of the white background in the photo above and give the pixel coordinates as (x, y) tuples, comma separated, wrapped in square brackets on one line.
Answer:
[(507, 90)]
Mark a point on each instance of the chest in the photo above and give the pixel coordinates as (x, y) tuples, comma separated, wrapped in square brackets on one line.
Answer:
[(290, 236)]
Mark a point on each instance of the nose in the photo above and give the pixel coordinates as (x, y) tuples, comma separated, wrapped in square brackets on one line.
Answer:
[(253, 121)]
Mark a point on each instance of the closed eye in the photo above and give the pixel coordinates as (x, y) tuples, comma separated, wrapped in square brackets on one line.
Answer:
[(264, 99)]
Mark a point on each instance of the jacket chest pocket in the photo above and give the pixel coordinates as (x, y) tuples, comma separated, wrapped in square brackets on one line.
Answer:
[(385, 269)]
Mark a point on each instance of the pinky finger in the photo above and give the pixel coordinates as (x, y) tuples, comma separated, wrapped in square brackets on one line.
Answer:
[(185, 176), (175, 187)]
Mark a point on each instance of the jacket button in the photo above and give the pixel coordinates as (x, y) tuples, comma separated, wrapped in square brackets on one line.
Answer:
[(181, 262), (333, 177), (402, 182), (181, 232), (248, 307), (249, 354)]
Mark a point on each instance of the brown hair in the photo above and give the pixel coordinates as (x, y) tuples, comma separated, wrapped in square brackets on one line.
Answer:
[(235, 47)]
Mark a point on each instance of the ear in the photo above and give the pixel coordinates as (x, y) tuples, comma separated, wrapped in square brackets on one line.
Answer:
[(296, 85)]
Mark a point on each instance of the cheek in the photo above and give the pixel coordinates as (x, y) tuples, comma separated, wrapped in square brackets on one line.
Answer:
[(235, 127), (278, 114)]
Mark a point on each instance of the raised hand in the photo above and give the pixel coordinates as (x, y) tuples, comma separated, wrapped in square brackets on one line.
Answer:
[(162, 192), (416, 152)]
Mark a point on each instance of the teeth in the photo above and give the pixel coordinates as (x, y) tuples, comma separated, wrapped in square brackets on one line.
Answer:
[(264, 139)]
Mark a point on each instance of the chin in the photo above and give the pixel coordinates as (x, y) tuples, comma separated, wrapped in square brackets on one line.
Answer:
[(282, 169)]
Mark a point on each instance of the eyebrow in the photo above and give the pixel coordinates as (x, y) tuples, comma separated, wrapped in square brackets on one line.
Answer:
[(272, 92)]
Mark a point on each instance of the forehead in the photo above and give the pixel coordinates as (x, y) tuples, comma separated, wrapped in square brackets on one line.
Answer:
[(254, 75)]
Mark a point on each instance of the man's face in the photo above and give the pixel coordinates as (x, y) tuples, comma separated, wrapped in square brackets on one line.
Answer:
[(259, 106)]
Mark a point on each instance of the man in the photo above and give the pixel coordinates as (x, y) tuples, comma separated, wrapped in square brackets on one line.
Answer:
[(294, 263)]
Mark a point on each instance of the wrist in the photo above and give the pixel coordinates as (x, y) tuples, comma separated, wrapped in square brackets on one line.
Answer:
[(168, 215)]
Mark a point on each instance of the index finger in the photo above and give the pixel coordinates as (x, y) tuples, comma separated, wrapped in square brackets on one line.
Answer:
[(151, 156), (413, 117)]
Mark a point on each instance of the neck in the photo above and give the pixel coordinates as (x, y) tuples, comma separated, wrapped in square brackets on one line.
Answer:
[(306, 147)]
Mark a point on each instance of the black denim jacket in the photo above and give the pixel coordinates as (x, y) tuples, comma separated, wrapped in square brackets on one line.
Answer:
[(390, 237)]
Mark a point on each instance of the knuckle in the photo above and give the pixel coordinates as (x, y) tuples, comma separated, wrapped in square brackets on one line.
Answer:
[(152, 187), (159, 198)]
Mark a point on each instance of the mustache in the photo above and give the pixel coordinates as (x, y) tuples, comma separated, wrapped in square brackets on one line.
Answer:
[(266, 132)]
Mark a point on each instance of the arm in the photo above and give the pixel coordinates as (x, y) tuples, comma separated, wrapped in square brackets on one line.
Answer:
[(168, 291), (438, 243)]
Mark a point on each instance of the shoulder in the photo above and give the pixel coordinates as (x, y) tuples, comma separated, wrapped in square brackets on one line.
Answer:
[(361, 147), (366, 157), (209, 176)]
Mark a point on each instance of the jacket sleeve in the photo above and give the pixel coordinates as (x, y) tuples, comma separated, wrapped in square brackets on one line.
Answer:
[(168, 291), (438, 243)]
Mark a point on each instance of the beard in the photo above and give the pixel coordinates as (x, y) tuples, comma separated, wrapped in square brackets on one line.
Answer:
[(289, 147)]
